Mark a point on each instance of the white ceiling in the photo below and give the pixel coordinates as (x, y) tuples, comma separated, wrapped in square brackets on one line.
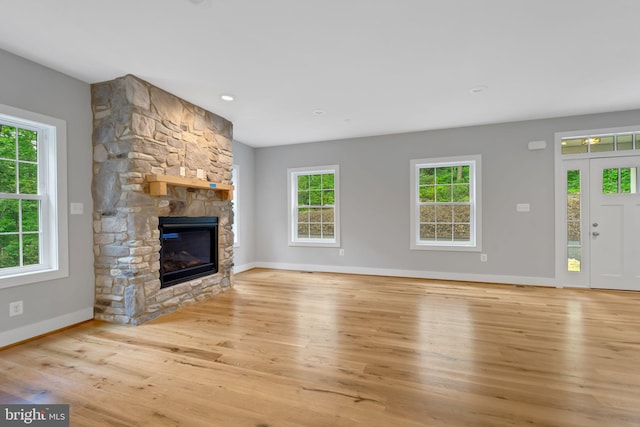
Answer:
[(374, 66)]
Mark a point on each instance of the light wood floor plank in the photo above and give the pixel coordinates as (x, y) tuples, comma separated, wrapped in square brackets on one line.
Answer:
[(297, 349)]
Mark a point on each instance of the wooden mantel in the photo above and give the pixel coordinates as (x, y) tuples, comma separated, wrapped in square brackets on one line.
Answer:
[(158, 185)]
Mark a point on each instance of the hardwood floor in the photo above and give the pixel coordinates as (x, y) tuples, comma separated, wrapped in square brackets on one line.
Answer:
[(299, 349)]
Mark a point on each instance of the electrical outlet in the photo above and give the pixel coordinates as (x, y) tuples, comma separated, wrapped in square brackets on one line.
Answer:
[(341, 252), (200, 174), (16, 308), (183, 171), (483, 258)]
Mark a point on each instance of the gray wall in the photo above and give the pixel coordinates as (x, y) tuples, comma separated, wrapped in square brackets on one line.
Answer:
[(32, 87), (374, 174), (244, 254)]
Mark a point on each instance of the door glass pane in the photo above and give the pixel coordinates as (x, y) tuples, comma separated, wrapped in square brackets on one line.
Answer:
[(574, 257), (628, 180), (574, 247), (573, 182), (619, 180), (610, 181), (573, 207)]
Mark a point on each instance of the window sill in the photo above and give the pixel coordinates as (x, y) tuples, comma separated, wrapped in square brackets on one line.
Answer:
[(30, 277), (453, 248), (316, 244)]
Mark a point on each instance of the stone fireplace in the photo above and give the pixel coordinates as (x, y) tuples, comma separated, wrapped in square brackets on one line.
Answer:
[(142, 131)]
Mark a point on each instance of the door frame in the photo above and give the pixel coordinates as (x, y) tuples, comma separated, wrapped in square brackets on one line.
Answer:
[(562, 164)]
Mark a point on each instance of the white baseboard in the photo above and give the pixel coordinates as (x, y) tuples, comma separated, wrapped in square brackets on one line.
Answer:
[(30, 331), (418, 274), (244, 267)]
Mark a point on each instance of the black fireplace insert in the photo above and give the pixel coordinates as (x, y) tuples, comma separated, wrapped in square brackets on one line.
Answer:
[(189, 248)]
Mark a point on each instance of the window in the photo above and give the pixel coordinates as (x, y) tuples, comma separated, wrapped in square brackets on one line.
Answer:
[(574, 221), (445, 203), (235, 173), (600, 143), (619, 181), (313, 206), (33, 232)]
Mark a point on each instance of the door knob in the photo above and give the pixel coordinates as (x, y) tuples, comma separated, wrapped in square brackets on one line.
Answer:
[(595, 224), (595, 234)]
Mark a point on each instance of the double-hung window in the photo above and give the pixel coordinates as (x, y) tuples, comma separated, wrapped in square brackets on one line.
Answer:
[(445, 203), (33, 230), (314, 206)]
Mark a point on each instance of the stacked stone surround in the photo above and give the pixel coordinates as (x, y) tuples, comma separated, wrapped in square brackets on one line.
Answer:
[(139, 129)]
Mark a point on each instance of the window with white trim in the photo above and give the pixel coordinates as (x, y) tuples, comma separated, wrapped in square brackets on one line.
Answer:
[(33, 231), (445, 203), (314, 206)]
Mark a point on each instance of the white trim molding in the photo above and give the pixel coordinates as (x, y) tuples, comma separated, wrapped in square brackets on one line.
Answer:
[(26, 332), (416, 274)]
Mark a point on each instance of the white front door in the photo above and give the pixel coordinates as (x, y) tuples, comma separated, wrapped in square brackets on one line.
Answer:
[(614, 226)]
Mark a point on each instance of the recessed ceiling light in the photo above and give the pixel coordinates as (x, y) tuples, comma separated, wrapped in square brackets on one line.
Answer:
[(203, 4), (319, 112), (227, 97), (478, 89)]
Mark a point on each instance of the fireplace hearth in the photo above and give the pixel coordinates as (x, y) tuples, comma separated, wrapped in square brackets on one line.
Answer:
[(189, 248)]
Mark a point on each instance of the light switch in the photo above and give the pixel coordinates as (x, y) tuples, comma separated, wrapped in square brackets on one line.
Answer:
[(523, 207), (77, 209)]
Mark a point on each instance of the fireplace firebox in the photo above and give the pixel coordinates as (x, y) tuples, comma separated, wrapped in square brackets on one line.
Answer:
[(189, 248)]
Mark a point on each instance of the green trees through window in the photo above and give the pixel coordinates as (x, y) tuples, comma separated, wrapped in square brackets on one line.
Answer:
[(574, 244), (619, 181), (446, 206), (316, 203), (19, 201), (445, 211)]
